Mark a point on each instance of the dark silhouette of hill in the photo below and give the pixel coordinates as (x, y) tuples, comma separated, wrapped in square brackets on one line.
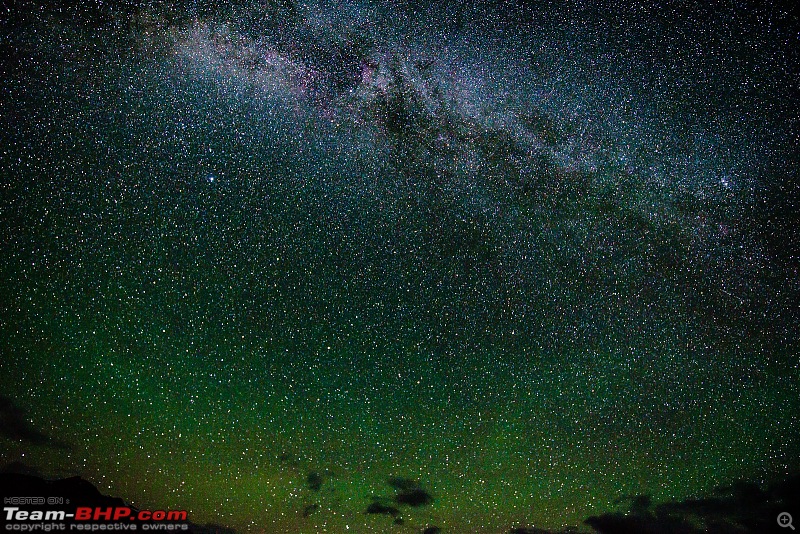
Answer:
[(15, 426), (741, 508)]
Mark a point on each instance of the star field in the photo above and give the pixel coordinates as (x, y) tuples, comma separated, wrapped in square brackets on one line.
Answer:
[(388, 265)]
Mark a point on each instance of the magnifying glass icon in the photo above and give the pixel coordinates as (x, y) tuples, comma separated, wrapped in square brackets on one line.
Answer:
[(785, 520)]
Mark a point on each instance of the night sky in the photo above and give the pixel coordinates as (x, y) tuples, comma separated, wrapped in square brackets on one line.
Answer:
[(472, 265)]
